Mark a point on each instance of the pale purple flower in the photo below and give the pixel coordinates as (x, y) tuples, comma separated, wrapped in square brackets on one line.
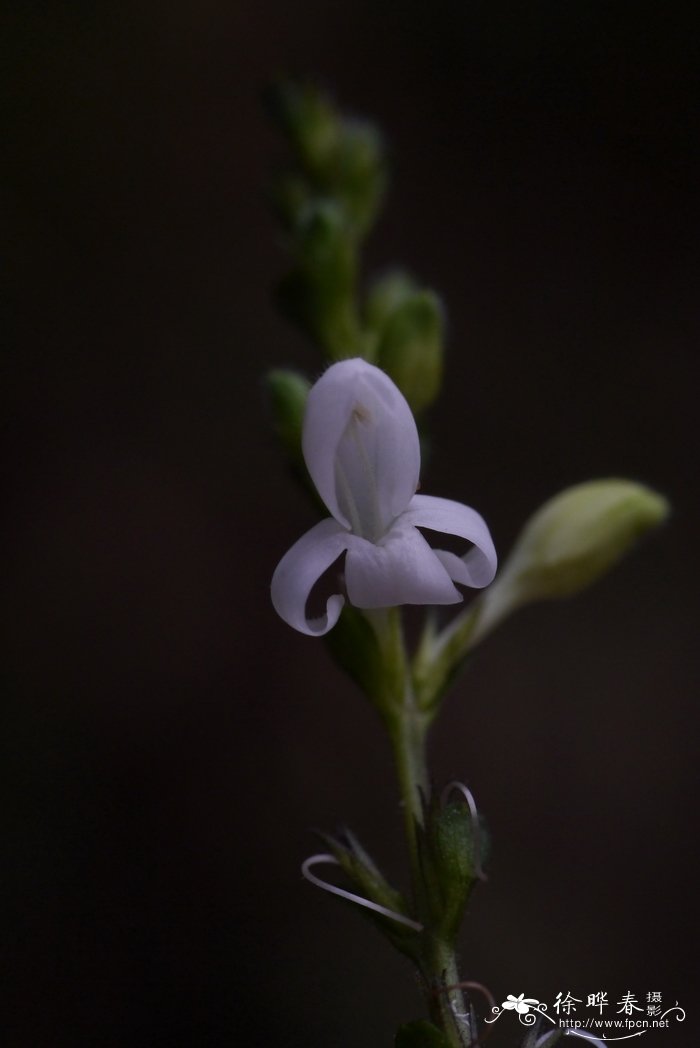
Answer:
[(361, 448)]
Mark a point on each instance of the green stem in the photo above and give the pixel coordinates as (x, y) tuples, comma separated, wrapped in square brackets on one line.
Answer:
[(446, 1003), (408, 726), (407, 732)]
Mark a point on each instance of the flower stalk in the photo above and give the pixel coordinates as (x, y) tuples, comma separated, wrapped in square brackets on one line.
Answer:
[(407, 725)]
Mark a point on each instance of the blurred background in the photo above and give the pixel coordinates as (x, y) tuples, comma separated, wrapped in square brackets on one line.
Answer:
[(168, 744)]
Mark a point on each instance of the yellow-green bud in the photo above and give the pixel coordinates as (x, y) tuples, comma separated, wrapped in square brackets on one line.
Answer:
[(570, 542), (357, 173), (319, 293), (287, 392), (385, 296), (310, 119), (410, 338)]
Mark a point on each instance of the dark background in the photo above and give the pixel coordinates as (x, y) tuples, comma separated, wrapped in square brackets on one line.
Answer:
[(167, 742)]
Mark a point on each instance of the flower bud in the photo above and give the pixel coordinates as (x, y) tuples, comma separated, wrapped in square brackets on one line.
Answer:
[(357, 174), (340, 158), (410, 330), (287, 392), (451, 848), (309, 119), (386, 295), (570, 542), (319, 293)]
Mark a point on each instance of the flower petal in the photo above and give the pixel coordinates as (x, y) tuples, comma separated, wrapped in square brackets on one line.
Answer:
[(477, 567), (361, 446), (401, 569), (300, 568)]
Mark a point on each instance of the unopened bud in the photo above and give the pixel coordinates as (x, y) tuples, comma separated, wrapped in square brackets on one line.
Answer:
[(310, 120), (570, 542), (287, 392), (410, 334), (319, 292)]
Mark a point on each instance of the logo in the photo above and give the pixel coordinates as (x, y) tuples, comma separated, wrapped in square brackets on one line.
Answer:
[(600, 1021)]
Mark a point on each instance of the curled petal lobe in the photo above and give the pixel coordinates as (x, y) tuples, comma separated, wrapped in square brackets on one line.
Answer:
[(300, 568), (477, 567), (361, 447), (401, 569)]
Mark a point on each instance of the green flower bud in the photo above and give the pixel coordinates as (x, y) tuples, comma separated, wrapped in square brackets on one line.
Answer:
[(409, 326), (339, 158), (385, 296), (309, 119), (319, 293), (570, 542), (357, 173), (451, 848), (287, 392)]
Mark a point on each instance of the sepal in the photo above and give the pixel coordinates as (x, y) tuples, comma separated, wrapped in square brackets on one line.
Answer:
[(369, 882)]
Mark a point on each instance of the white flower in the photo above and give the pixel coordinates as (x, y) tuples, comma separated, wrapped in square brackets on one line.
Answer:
[(520, 1004), (361, 448)]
